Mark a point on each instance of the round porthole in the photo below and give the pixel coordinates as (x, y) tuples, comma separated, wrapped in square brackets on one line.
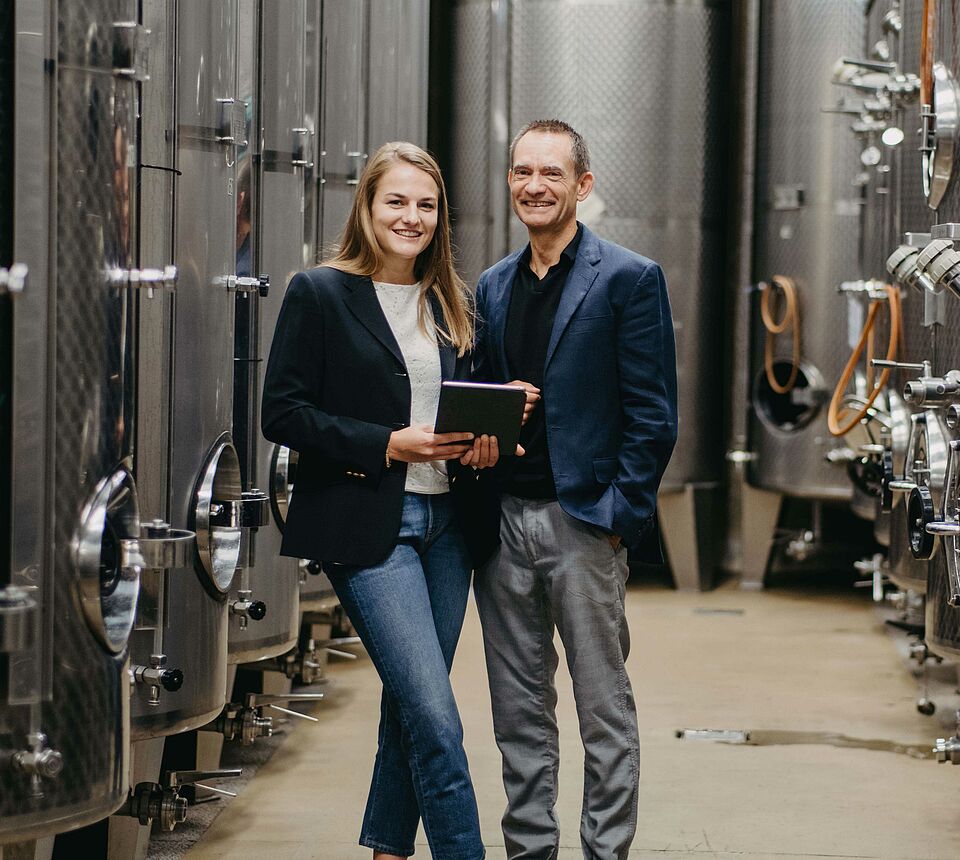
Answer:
[(795, 409), (218, 538), (109, 580)]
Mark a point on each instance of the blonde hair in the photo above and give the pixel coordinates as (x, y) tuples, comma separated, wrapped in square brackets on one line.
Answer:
[(359, 252)]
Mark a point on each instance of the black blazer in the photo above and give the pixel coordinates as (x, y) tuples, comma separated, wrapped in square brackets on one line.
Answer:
[(336, 387)]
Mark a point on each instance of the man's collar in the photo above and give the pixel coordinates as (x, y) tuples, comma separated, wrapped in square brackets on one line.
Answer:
[(568, 254)]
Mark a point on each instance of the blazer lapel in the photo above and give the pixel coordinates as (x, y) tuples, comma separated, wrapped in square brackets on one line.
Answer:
[(363, 303), (579, 281), (498, 307)]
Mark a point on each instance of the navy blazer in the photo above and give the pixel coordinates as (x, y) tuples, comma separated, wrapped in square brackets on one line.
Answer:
[(610, 384), (335, 388)]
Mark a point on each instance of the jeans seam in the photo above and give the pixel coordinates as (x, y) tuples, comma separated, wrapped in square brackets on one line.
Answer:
[(375, 845), (402, 717)]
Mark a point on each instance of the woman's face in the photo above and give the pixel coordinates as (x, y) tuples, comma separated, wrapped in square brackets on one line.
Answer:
[(404, 213)]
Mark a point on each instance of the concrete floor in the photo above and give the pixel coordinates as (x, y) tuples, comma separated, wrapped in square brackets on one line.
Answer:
[(813, 660)]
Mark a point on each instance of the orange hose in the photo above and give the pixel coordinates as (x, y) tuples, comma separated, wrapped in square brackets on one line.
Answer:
[(791, 318), (926, 51), (834, 416)]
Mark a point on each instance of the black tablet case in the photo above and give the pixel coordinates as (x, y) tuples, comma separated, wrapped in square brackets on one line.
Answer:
[(469, 407)]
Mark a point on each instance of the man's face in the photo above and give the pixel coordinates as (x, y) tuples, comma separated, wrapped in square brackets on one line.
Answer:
[(544, 187)]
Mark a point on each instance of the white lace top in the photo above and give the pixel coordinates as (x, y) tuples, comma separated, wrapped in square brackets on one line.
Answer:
[(400, 303)]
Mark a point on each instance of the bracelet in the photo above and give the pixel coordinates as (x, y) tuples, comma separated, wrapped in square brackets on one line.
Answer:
[(386, 457)]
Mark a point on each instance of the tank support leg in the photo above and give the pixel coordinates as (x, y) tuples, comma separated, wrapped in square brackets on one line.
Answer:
[(689, 520), (127, 838), (759, 514)]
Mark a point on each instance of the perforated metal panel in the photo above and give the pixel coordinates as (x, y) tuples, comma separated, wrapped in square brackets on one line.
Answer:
[(87, 717), (815, 243), (942, 629), (651, 108), (469, 179)]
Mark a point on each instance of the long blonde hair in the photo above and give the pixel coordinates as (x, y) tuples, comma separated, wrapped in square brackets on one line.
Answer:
[(359, 252)]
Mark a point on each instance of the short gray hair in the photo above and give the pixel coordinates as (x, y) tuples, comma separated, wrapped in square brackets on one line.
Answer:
[(578, 146)]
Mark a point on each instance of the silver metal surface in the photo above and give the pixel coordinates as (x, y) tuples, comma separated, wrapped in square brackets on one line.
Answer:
[(938, 162), (193, 331), (344, 77), (270, 579), (817, 244)]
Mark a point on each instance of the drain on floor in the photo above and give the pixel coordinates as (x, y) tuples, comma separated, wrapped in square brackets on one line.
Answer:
[(702, 610), (786, 738)]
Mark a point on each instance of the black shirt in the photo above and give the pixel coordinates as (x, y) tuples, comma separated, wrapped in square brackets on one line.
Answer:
[(533, 307)]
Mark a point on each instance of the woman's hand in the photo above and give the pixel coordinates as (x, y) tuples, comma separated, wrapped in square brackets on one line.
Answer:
[(420, 444), (533, 395), (485, 453)]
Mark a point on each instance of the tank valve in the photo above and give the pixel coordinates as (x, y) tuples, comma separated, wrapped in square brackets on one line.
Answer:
[(39, 762), (903, 265), (304, 665), (948, 749), (247, 723), (248, 609), (875, 566), (149, 802), (157, 675), (801, 547)]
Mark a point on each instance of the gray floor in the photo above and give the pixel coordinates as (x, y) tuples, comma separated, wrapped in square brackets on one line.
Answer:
[(810, 671)]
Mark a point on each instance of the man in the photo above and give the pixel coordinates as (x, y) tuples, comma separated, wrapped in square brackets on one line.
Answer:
[(585, 326)]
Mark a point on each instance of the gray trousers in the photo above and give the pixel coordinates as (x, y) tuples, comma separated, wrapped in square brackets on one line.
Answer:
[(553, 571)]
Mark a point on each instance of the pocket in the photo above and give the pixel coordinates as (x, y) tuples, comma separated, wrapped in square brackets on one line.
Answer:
[(605, 469), (591, 323)]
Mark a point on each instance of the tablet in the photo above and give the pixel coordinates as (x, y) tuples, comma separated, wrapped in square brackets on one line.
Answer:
[(478, 408)]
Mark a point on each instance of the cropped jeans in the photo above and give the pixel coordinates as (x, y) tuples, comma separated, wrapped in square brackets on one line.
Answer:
[(408, 611)]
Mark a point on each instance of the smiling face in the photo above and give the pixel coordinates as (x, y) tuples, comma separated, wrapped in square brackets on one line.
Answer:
[(404, 216), (544, 187)]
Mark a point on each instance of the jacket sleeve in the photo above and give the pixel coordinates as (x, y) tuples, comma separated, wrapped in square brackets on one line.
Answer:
[(646, 359), (292, 413)]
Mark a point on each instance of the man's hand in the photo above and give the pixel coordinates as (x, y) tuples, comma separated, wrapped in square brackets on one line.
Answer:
[(420, 444), (615, 541), (533, 395), (485, 453)]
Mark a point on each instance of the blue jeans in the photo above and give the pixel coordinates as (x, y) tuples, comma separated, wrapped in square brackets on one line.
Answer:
[(408, 611)]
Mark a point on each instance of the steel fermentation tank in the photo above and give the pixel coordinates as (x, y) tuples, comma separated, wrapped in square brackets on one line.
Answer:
[(652, 113), (64, 690), (807, 229)]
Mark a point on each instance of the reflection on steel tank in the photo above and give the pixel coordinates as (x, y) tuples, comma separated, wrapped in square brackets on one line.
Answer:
[(69, 577), (651, 108)]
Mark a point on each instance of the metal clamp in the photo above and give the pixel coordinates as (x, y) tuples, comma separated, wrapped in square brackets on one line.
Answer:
[(19, 618), (244, 286), (356, 168), (874, 289), (13, 280), (160, 547), (903, 266), (149, 803), (131, 42), (250, 511), (232, 122), (143, 279), (300, 138)]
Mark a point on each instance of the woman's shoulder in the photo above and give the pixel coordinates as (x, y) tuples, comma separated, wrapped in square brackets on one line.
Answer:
[(321, 281)]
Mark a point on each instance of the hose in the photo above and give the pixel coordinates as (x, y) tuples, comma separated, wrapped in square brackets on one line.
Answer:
[(837, 410), (791, 319)]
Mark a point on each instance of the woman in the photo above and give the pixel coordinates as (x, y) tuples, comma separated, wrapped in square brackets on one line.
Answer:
[(361, 346)]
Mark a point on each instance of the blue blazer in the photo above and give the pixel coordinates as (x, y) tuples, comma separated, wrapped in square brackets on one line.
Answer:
[(610, 385)]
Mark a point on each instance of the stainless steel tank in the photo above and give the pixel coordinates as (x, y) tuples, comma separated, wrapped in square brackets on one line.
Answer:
[(272, 86), (64, 686), (195, 472), (807, 228), (653, 117)]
